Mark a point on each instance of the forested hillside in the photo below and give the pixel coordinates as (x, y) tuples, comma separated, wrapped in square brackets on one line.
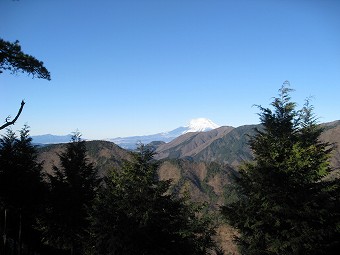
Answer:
[(231, 145), (203, 180), (202, 164), (105, 155)]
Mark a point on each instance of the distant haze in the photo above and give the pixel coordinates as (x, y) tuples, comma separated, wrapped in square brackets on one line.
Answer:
[(195, 125)]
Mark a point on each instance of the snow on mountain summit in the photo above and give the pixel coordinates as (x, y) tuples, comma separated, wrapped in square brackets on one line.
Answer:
[(195, 125), (200, 125)]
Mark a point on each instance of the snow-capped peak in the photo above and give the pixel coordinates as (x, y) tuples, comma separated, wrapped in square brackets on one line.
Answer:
[(200, 125)]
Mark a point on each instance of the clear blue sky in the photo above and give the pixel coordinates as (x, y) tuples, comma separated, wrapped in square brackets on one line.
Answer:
[(122, 68)]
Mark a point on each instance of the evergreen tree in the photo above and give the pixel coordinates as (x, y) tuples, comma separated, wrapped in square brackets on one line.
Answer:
[(13, 59), (21, 189), (73, 187), (136, 214), (7, 164), (283, 205)]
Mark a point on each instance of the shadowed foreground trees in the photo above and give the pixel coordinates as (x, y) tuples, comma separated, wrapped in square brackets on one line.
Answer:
[(73, 187), (284, 206), (21, 193), (135, 214)]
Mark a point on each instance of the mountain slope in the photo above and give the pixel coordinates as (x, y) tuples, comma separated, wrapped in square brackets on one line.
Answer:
[(225, 145), (331, 135), (190, 144), (195, 125), (105, 155), (231, 149), (204, 181)]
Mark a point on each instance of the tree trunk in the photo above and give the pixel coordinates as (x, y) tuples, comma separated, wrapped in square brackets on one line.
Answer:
[(19, 234), (5, 231)]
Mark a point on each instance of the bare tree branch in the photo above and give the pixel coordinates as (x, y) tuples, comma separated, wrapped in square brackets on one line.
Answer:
[(13, 59), (8, 123)]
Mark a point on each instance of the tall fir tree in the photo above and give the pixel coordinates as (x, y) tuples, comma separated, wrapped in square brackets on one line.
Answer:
[(284, 206), (21, 191), (136, 214), (73, 187)]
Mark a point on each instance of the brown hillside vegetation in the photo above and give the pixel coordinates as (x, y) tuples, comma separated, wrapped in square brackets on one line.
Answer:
[(190, 144), (204, 181), (331, 135), (230, 145), (202, 164), (105, 155)]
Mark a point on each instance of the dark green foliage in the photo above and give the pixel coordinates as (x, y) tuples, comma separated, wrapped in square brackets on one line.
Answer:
[(73, 188), (283, 205), (230, 149), (135, 214), (14, 60), (106, 155), (21, 190)]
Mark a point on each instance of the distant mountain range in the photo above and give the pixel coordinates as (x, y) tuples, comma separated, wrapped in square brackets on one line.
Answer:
[(51, 139), (195, 125), (202, 162), (202, 140), (223, 145)]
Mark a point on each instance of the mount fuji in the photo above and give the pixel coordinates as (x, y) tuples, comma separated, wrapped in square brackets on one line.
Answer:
[(195, 125), (200, 125)]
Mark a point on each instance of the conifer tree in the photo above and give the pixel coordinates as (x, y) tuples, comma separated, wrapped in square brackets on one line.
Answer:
[(136, 214), (73, 187), (21, 189), (7, 166), (284, 206)]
